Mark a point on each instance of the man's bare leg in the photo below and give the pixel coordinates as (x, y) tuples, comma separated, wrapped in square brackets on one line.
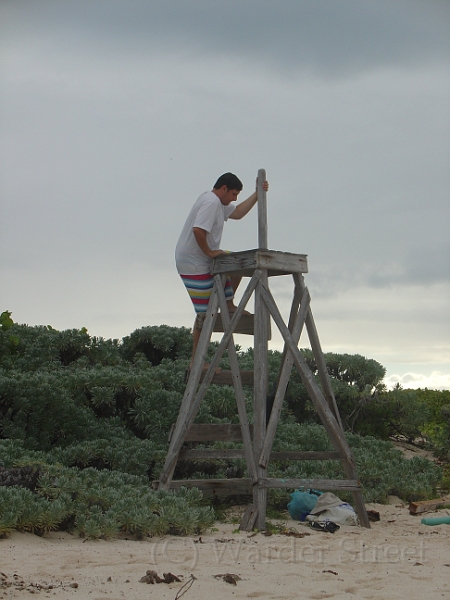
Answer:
[(196, 332), (200, 318)]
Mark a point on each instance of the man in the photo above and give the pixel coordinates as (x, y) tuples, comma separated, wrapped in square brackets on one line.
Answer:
[(199, 243)]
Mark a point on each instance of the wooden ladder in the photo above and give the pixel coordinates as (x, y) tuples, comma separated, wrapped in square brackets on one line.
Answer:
[(257, 439)]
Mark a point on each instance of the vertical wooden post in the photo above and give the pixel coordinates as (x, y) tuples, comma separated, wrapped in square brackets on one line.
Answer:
[(260, 361), (262, 211), (260, 387)]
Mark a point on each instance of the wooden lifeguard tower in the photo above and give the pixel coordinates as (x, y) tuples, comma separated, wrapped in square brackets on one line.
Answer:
[(257, 439)]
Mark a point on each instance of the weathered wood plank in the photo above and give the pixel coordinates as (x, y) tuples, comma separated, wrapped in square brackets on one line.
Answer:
[(189, 405), (317, 484), (327, 417), (260, 390), (416, 508), (215, 432), (283, 381), (248, 518), (318, 354), (226, 377), (242, 486), (304, 455), (349, 464), (245, 325), (237, 383), (245, 262), (216, 487), (233, 453), (292, 317), (212, 454), (192, 399), (262, 209)]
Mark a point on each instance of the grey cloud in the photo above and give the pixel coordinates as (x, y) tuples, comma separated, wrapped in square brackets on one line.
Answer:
[(328, 37), (420, 265), (118, 114)]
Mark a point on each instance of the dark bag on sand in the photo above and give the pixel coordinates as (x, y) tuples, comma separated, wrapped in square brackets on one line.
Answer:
[(302, 503)]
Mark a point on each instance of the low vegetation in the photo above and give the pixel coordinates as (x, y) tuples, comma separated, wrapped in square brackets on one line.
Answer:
[(84, 423)]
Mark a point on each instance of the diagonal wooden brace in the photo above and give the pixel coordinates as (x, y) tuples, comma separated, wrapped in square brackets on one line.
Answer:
[(188, 409), (191, 400), (327, 417), (283, 381), (318, 354), (237, 383)]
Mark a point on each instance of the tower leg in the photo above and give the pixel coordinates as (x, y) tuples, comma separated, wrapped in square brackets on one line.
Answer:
[(327, 417), (318, 354), (192, 398), (259, 397), (186, 414), (239, 392)]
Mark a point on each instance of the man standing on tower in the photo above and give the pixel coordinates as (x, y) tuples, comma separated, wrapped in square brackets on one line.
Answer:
[(199, 243)]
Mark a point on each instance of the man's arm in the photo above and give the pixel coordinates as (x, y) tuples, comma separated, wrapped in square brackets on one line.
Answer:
[(200, 238), (244, 207)]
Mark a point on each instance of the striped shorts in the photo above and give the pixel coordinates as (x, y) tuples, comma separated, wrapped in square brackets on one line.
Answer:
[(200, 287)]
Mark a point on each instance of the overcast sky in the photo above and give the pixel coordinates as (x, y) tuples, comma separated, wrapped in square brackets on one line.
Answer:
[(117, 114)]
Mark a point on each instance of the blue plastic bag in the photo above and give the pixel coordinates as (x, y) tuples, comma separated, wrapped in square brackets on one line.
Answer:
[(302, 503)]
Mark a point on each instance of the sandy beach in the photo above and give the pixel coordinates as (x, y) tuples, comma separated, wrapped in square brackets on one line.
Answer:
[(397, 558)]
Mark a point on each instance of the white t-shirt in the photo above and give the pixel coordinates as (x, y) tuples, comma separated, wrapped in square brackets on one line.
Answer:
[(208, 213)]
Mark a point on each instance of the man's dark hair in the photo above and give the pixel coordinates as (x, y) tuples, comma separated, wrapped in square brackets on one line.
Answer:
[(230, 180)]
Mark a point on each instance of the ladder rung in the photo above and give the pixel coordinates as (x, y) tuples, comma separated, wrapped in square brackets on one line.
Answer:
[(221, 432), (213, 487), (320, 484), (245, 324), (226, 377), (211, 454), (301, 455), (235, 487), (231, 453)]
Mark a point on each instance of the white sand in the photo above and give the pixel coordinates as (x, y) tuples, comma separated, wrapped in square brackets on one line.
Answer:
[(397, 558)]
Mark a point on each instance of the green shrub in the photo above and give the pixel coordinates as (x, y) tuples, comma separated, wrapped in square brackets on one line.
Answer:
[(382, 469), (157, 343), (92, 417), (98, 504)]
